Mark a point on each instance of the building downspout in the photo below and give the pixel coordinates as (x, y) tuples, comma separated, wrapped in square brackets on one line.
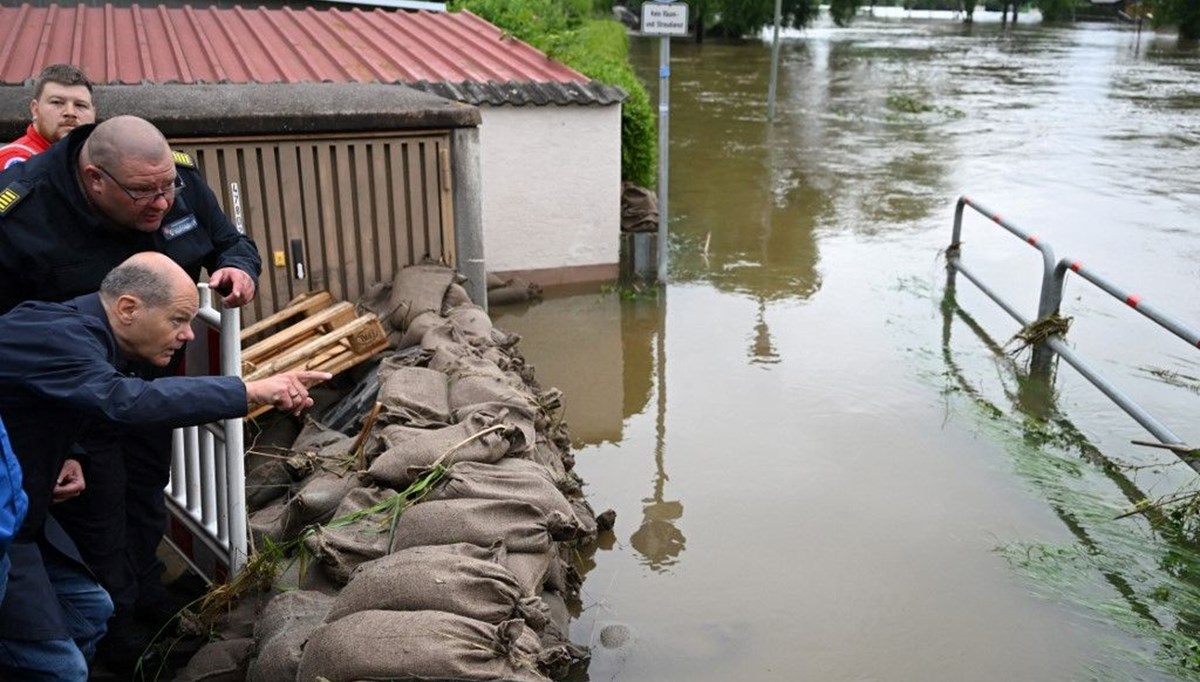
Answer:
[(468, 212)]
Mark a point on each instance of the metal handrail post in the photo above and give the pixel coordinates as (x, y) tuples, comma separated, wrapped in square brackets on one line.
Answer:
[(1176, 327), (235, 468), (1049, 303)]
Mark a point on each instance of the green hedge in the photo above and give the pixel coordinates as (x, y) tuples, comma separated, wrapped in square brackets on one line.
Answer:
[(597, 48)]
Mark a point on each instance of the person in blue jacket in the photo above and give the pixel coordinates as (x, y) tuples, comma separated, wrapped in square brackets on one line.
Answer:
[(67, 217), (13, 503), (61, 365)]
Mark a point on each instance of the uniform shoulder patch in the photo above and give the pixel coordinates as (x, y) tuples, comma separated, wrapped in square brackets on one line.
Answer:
[(183, 159), (10, 196)]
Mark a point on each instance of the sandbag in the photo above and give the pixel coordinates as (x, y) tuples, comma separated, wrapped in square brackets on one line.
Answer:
[(281, 631), (399, 465), (274, 477), (473, 323), (523, 432), (559, 653), (420, 326), (414, 395), (420, 645), (428, 579), (530, 568), (507, 479), (520, 525), (343, 547), (456, 295), (316, 500), (267, 524), (418, 289), (221, 661)]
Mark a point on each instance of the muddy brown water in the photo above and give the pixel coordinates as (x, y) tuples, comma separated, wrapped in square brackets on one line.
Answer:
[(819, 475)]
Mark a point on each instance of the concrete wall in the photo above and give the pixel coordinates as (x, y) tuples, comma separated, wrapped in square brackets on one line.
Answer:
[(552, 190)]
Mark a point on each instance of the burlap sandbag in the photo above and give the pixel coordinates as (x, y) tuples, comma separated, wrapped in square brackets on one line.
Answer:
[(420, 326), (530, 568), (266, 482), (281, 631), (520, 525), (456, 295), (559, 653), (523, 432), (473, 322), (398, 466), (416, 396), (547, 455), (420, 645), (315, 436), (221, 661), (343, 546), (507, 479), (316, 500), (418, 289), (427, 579), (267, 524)]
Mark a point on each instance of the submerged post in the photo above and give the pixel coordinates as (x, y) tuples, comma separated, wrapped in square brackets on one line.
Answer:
[(774, 62), (664, 136), (664, 19)]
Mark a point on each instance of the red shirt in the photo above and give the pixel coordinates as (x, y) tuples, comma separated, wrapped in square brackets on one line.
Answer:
[(20, 149)]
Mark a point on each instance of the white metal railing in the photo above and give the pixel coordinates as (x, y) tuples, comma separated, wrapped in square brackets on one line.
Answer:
[(207, 491)]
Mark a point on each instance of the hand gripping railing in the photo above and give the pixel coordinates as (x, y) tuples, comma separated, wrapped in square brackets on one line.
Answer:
[(1054, 275), (207, 491)]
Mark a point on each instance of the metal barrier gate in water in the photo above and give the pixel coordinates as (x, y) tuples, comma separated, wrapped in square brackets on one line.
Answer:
[(207, 492), (1054, 275)]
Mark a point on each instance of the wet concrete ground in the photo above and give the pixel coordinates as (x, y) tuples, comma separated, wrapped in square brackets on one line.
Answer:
[(818, 473)]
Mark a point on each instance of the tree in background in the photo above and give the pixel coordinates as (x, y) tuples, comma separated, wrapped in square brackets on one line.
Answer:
[(1183, 13)]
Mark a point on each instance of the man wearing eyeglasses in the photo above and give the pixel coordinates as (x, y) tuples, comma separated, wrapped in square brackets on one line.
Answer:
[(67, 217)]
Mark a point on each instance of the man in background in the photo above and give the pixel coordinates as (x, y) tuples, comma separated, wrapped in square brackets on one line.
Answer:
[(62, 100)]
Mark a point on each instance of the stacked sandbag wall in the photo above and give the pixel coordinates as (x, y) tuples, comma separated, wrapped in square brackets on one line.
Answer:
[(393, 578)]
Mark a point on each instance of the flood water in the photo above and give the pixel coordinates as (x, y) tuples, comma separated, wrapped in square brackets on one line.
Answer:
[(821, 468)]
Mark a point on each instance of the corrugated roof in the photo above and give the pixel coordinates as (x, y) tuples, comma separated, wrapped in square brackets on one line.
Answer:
[(437, 51)]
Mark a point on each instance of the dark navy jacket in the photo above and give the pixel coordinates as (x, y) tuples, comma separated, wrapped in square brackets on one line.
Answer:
[(53, 247), (59, 367)]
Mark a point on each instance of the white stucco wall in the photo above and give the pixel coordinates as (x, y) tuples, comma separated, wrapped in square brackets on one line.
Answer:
[(551, 186)]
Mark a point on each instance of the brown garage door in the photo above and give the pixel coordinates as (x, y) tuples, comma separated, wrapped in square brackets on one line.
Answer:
[(332, 212)]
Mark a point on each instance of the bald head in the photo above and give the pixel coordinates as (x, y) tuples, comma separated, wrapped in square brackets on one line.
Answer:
[(121, 138), (150, 302), (151, 277)]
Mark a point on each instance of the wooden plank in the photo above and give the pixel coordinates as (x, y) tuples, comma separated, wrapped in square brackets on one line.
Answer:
[(305, 304), (401, 214), (431, 200), (419, 211), (272, 344), (365, 224), (294, 224), (298, 355), (335, 279), (446, 218)]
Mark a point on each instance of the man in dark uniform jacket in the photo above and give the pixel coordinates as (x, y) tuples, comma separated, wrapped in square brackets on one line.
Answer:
[(62, 364), (67, 217)]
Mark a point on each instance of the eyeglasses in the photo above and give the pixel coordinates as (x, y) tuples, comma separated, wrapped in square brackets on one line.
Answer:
[(145, 197)]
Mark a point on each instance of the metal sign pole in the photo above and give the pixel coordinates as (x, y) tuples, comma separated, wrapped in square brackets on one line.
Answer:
[(664, 19), (774, 62), (664, 125)]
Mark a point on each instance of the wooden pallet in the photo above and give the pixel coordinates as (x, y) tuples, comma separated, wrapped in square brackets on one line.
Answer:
[(317, 333)]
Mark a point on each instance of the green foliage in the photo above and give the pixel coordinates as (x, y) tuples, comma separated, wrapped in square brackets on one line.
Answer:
[(1057, 10), (1183, 13), (737, 18), (597, 48)]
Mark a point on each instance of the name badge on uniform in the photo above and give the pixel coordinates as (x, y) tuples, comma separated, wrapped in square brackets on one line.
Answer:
[(178, 227)]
